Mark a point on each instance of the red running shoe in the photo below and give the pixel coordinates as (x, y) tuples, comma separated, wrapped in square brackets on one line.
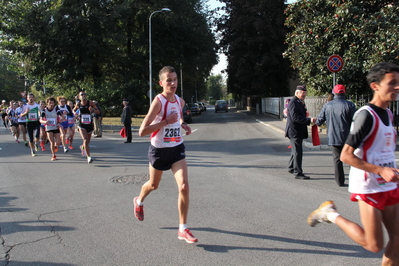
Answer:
[(70, 147), (138, 210), (187, 235), (67, 141)]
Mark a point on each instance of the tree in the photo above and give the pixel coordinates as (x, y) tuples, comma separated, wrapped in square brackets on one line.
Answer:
[(253, 36), (11, 83), (362, 32), (215, 85), (102, 46)]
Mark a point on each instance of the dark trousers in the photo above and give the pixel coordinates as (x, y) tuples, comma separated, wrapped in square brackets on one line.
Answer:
[(338, 166), (295, 162), (128, 128)]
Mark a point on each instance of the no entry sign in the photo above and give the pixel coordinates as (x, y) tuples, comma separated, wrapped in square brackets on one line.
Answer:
[(335, 63)]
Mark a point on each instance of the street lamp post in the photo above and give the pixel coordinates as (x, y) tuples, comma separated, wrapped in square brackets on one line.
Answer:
[(150, 48)]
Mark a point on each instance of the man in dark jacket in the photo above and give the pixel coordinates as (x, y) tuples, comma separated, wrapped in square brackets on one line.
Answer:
[(126, 120), (297, 130), (338, 113)]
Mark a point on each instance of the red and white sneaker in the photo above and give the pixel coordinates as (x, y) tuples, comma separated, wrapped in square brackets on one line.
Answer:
[(70, 147), (138, 210), (187, 235)]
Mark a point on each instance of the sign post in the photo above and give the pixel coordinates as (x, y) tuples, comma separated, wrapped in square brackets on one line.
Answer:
[(335, 63)]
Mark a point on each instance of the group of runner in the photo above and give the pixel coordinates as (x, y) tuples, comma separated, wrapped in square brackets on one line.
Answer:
[(51, 121)]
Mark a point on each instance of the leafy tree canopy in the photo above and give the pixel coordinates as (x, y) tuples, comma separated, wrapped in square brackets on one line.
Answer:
[(253, 36), (362, 32), (102, 46)]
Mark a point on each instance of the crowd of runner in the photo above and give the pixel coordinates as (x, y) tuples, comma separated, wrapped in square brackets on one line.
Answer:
[(52, 122)]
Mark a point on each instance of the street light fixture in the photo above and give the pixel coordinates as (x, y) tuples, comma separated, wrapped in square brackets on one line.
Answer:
[(150, 44)]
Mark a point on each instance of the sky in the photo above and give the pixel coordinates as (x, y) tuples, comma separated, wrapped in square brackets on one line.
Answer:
[(222, 58)]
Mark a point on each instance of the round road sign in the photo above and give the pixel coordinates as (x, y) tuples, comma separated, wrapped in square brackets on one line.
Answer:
[(335, 63)]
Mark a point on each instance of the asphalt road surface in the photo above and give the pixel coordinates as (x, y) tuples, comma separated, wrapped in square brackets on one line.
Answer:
[(245, 208)]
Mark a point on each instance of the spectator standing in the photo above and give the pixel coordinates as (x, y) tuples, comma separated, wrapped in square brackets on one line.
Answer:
[(126, 120), (97, 120), (338, 114), (297, 130)]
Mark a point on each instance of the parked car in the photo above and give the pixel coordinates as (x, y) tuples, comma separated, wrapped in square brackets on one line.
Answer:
[(221, 105), (195, 109), (187, 116), (203, 105)]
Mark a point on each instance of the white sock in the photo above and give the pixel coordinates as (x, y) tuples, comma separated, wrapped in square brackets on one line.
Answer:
[(182, 227), (332, 216), (139, 202)]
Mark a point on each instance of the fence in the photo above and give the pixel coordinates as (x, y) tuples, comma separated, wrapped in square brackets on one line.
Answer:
[(275, 105)]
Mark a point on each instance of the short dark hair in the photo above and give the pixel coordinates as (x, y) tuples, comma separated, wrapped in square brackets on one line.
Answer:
[(166, 69), (51, 99), (378, 71)]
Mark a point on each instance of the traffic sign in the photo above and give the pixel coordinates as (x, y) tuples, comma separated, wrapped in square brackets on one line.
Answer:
[(335, 63)]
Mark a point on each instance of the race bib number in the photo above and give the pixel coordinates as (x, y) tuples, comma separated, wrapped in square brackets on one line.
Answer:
[(51, 122), (71, 120), (32, 116), (384, 160), (171, 134), (86, 119)]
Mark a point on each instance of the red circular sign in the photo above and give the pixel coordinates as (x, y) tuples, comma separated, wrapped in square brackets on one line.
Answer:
[(335, 63)]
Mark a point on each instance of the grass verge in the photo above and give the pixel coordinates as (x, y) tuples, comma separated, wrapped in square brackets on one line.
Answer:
[(116, 121)]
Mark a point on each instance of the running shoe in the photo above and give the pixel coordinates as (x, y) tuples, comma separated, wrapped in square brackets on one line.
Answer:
[(320, 214), (26, 143), (36, 147), (82, 149), (138, 210), (55, 148), (187, 236), (43, 148), (66, 149), (70, 147), (33, 153), (89, 159), (54, 158), (17, 141), (67, 141)]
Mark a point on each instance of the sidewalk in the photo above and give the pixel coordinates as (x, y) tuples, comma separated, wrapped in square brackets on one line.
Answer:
[(279, 126)]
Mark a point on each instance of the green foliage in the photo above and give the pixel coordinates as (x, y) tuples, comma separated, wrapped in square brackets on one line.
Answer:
[(102, 46), (253, 36), (362, 32), (10, 82), (215, 85)]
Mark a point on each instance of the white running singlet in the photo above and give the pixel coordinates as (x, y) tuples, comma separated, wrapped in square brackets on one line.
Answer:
[(377, 148), (169, 135)]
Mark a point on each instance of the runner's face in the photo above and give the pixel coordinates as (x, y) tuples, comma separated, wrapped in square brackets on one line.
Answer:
[(83, 96), (31, 99), (169, 82), (50, 105), (388, 88)]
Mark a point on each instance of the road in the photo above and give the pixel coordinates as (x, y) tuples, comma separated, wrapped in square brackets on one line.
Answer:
[(245, 208)]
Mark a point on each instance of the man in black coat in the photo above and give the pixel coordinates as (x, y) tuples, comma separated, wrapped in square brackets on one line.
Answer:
[(126, 120), (297, 130)]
